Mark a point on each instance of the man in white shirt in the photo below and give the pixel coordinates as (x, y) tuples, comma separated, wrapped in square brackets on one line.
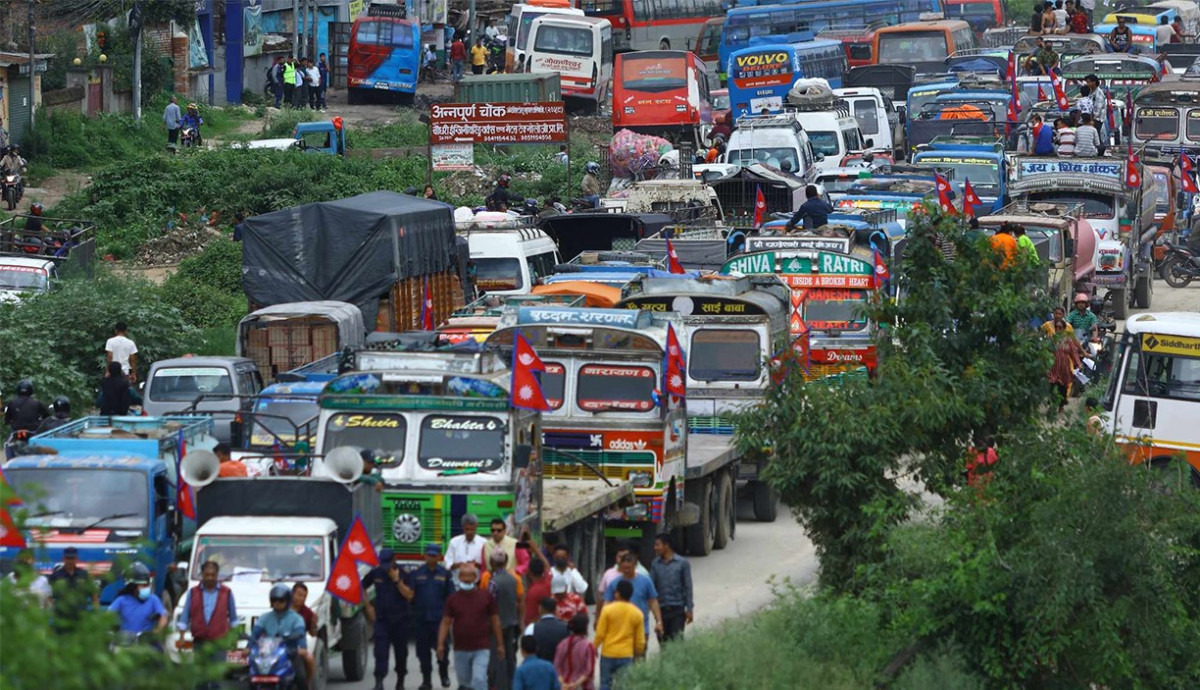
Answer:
[(313, 76), (120, 348), (466, 547), (561, 565)]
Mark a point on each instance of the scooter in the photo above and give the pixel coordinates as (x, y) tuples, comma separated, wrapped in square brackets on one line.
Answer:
[(272, 667), (1180, 266), (188, 137), (10, 188)]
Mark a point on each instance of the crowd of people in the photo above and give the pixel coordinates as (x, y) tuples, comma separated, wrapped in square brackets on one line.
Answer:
[(299, 82)]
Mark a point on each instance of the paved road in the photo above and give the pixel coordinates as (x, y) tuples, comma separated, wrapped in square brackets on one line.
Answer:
[(1167, 298), (728, 584)]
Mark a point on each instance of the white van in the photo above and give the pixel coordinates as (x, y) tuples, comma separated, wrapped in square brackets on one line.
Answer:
[(510, 260), (775, 140), (579, 49), (520, 21), (832, 132), (877, 118)]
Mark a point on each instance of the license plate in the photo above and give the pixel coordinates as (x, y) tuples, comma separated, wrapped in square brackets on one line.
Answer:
[(263, 679), (240, 657)]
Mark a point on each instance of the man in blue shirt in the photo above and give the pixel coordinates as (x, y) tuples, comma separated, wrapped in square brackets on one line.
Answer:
[(431, 586), (645, 597), (814, 211), (136, 606), (534, 673), (281, 621)]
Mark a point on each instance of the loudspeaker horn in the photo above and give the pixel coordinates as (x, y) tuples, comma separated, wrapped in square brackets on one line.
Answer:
[(344, 464), (199, 468)]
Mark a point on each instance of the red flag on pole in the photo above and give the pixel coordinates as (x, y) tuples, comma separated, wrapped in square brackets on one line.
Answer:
[(1166, 69), (676, 366), (1133, 176), (801, 345), (1041, 94), (1060, 96), (358, 544), (1011, 74), (943, 190), (185, 500), (970, 198), (760, 206), (526, 388), (1112, 118), (427, 308), (881, 269), (1187, 174), (343, 580), (673, 265), (9, 534)]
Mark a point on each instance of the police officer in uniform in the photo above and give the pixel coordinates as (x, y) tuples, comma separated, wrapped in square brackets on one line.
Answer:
[(431, 585), (390, 612)]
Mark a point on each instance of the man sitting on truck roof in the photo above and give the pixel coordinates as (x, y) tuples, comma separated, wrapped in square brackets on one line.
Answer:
[(228, 467), (814, 211)]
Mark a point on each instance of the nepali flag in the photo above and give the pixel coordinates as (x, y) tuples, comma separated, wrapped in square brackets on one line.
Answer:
[(1041, 94), (882, 273), (185, 500), (9, 534), (675, 365), (1011, 74), (1128, 109), (1060, 96), (1014, 115), (1112, 117), (970, 198), (526, 388), (943, 191), (427, 308), (358, 544), (1166, 69), (1133, 178), (343, 579), (673, 265), (760, 206), (1186, 174), (800, 343)]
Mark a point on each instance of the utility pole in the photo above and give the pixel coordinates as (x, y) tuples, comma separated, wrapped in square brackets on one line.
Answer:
[(471, 37), (295, 28), (135, 24), (32, 66)]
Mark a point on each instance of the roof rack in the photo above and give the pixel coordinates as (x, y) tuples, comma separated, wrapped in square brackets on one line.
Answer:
[(837, 105), (775, 120), (1048, 209)]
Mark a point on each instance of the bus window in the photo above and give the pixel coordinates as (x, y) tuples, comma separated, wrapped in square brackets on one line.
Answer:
[(652, 74), (1159, 375), (912, 46), (1193, 124)]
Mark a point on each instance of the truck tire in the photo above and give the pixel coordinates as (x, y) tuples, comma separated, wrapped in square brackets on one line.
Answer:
[(700, 535), (1143, 292), (766, 502), (320, 666), (1120, 299), (354, 661), (726, 512)]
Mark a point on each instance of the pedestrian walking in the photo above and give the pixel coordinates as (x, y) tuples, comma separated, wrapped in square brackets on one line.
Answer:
[(672, 578), (431, 587), (471, 614), (535, 673), (575, 657), (644, 596), (209, 610), (172, 120), (563, 566), (508, 592), (623, 547), (500, 541), (323, 75), (25, 576), (620, 633), (289, 81), (390, 614), (458, 59), (312, 76), (466, 547), (548, 630), (276, 80), (479, 56), (537, 589)]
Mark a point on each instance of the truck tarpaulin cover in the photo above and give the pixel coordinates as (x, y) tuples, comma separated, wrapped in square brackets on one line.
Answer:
[(292, 497), (343, 250)]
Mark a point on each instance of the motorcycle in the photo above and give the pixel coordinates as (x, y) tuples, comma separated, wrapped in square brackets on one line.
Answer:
[(188, 137), (16, 444), (1180, 266), (10, 188), (272, 667)]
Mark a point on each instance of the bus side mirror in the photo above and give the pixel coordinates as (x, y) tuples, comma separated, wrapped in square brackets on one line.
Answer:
[(521, 455)]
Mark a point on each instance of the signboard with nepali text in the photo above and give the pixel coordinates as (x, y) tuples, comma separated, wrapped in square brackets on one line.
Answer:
[(498, 123)]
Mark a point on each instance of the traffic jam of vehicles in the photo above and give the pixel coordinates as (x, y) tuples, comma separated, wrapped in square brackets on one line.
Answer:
[(575, 370)]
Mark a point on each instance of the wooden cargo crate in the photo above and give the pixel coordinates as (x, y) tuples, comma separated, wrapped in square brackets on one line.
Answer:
[(401, 309), (324, 340)]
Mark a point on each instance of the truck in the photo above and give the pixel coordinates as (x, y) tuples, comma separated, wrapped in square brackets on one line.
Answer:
[(69, 244), (289, 335), (977, 159), (1122, 217), (109, 491), (266, 530), (733, 329), (1065, 241), (328, 137)]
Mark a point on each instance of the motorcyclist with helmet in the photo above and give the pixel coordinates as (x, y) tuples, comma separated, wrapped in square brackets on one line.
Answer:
[(25, 412), (590, 185), (33, 222), (138, 609), (13, 163), (500, 199), (283, 622), (192, 120), (62, 415)]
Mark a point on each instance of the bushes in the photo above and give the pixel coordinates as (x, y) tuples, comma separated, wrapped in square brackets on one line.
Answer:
[(207, 288), (69, 140)]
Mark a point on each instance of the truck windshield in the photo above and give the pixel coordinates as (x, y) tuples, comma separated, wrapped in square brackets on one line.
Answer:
[(281, 418), (185, 384), (983, 174), (1158, 375), (22, 279), (1156, 123), (498, 274), (605, 388), (1094, 205), (867, 113), (824, 143), (261, 558), (462, 443), (78, 497), (725, 355), (840, 310), (381, 433)]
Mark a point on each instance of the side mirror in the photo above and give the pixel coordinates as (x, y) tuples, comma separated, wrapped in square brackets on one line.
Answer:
[(521, 455), (141, 386), (819, 157)]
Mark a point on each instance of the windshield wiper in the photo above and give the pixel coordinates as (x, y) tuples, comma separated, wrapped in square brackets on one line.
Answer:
[(48, 513), (106, 518)]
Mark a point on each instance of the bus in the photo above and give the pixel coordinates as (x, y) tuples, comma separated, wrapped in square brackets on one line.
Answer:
[(580, 50), (520, 18), (923, 45), (857, 42), (708, 45), (760, 77), (385, 54), (980, 14), (745, 26), (663, 92), (653, 24), (1153, 396)]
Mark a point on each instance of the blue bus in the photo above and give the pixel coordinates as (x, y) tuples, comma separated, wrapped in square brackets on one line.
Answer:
[(385, 54), (779, 23), (760, 76)]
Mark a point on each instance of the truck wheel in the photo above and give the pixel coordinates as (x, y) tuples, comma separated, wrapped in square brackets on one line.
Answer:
[(766, 502), (726, 514), (1120, 299), (321, 667), (1142, 293), (354, 661), (700, 535)]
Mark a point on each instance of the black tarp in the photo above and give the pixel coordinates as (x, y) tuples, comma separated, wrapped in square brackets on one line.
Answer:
[(286, 497), (343, 250), (575, 233)]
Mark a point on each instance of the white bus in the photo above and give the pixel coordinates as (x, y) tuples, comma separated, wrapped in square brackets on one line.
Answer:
[(1153, 398), (579, 49)]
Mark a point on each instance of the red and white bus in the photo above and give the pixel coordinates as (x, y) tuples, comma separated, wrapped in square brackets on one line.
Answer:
[(653, 24), (662, 92)]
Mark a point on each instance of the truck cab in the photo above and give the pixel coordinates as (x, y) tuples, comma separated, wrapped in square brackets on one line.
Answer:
[(509, 259), (978, 159), (23, 277), (877, 118)]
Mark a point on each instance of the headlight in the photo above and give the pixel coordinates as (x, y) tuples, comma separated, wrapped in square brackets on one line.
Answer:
[(641, 480), (638, 511)]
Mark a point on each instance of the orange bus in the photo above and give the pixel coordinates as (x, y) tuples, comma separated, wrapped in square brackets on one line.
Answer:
[(924, 45)]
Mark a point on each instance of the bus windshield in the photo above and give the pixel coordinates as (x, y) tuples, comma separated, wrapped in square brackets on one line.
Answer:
[(1156, 123), (78, 497), (983, 174), (840, 310), (605, 388), (1094, 205), (461, 443), (554, 381), (725, 355), (653, 74), (970, 10), (498, 274), (912, 46), (384, 32), (281, 418), (781, 158), (564, 40), (824, 143), (383, 434)]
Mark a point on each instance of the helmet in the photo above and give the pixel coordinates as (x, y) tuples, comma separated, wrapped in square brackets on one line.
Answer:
[(63, 404), (592, 167), (25, 387), (36, 209), (193, 107), (1082, 297), (719, 139), (504, 180), (15, 148), (281, 592), (137, 573), (531, 204)]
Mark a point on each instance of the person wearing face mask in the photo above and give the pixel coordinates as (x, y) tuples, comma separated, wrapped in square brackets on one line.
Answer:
[(137, 609), (562, 566)]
